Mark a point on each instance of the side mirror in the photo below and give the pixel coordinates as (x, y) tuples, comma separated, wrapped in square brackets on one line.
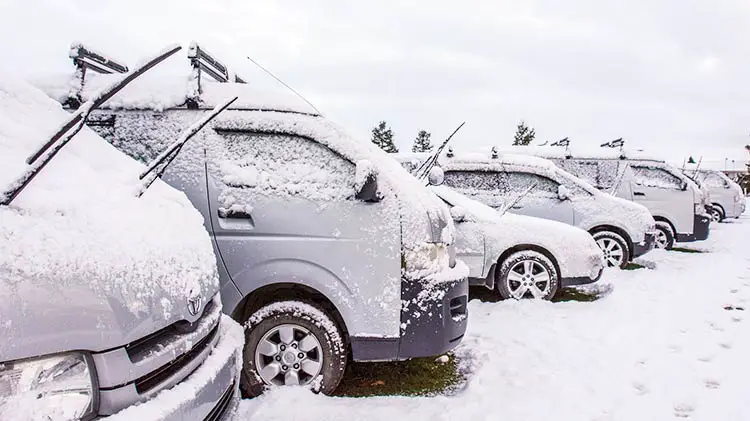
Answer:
[(366, 182), (458, 214), (684, 186), (562, 192), (436, 176)]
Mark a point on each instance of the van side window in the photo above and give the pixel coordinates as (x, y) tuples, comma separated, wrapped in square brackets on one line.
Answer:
[(518, 182), (284, 165), (587, 170), (656, 177)]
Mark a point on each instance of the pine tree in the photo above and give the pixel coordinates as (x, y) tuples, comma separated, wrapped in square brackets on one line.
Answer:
[(524, 134), (422, 142), (382, 135)]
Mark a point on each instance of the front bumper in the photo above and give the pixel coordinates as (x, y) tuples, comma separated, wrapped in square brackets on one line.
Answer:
[(700, 230), (210, 393), (433, 321), (648, 244)]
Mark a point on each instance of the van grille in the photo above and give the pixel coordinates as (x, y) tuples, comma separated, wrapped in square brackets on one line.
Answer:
[(156, 377), (140, 348)]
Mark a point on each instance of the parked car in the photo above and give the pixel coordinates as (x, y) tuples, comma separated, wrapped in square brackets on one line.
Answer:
[(676, 203), (624, 230), (326, 247), (520, 256), (110, 302), (726, 198)]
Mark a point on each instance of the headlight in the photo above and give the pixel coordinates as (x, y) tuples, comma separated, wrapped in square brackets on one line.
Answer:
[(737, 197), (426, 259), (57, 388)]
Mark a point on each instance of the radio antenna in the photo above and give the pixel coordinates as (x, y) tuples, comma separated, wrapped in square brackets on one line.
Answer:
[(268, 72)]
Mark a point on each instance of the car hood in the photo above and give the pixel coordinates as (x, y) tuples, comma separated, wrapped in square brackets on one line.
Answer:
[(603, 209), (84, 263)]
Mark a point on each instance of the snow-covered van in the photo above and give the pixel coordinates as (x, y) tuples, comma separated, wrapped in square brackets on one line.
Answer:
[(726, 198), (624, 230), (326, 247), (520, 256), (109, 302), (676, 202)]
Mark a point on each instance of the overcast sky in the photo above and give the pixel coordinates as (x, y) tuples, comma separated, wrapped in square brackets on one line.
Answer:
[(662, 74)]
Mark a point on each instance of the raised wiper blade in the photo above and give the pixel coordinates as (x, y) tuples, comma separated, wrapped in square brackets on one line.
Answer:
[(39, 159), (424, 169), (161, 162)]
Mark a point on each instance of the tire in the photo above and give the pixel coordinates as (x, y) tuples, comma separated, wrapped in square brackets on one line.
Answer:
[(515, 280), (717, 215), (292, 338), (664, 236), (615, 248)]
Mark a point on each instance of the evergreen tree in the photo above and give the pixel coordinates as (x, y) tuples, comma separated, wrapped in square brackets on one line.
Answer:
[(382, 135), (524, 134), (422, 142)]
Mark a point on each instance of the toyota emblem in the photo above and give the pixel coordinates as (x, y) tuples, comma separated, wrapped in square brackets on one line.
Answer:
[(194, 304)]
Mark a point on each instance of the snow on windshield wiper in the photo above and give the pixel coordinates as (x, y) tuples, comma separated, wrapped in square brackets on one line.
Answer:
[(39, 159), (161, 162), (517, 199), (424, 169)]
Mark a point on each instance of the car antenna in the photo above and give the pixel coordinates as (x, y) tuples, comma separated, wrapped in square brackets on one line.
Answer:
[(161, 162), (424, 169), (268, 72), (39, 159)]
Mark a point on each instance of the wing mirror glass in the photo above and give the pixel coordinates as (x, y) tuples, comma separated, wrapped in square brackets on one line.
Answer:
[(458, 214), (366, 182), (436, 176), (562, 192)]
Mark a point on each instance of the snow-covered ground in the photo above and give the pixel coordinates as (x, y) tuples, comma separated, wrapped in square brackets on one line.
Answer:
[(661, 345)]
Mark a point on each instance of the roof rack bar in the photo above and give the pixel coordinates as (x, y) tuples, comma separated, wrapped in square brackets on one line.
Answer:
[(203, 61), (85, 58)]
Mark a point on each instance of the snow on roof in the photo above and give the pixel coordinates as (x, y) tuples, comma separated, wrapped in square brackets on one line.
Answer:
[(79, 223), (469, 161), (157, 91), (585, 152)]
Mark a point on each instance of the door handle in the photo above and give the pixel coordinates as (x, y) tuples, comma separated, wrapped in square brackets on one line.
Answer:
[(235, 219), (638, 193), (225, 213), (516, 207)]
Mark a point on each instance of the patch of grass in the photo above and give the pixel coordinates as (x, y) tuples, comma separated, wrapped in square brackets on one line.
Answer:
[(687, 250), (633, 266), (483, 294), (415, 377), (572, 294)]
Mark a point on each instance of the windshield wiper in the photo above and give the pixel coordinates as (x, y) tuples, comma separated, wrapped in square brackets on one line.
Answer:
[(424, 169), (39, 159), (157, 167)]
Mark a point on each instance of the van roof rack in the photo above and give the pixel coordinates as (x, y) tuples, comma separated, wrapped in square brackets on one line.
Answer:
[(85, 58), (203, 61)]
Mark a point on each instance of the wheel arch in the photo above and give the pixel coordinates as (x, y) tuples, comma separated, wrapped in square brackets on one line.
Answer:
[(524, 247), (619, 231), (659, 218), (289, 291), (721, 208)]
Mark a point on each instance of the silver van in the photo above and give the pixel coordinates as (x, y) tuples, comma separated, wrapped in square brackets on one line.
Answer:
[(109, 303), (326, 247), (622, 229), (676, 203), (726, 199)]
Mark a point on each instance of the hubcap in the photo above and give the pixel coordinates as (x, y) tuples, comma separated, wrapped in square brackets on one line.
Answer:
[(715, 215), (661, 240), (528, 279), (288, 355), (613, 253)]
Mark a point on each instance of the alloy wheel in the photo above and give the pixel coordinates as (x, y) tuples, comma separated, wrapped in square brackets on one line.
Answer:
[(528, 278), (613, 252), (288, 355)]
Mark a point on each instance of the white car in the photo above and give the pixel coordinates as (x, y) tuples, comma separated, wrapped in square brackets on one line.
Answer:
[(623, 229), (520, 256), (726, 198)]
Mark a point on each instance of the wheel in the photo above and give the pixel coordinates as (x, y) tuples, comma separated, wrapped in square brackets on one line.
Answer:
[(614, 247), (292, 343), (527, 274), (664, 236), (716, 214)]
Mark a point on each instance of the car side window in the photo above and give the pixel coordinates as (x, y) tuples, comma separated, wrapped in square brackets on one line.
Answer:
[(283, 165), (487, 187), (715, 181), (656, 177), (518, 182)]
